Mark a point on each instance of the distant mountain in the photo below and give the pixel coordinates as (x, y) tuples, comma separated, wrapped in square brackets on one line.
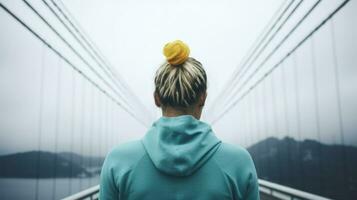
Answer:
[(326, 170), (42, 164), (88, 161)]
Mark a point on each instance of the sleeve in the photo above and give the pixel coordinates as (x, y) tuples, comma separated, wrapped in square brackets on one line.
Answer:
[(108, 189), (252, 192)]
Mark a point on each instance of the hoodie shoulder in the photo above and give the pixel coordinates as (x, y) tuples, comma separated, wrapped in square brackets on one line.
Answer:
[(122, 158), (234, 154), (237, 164), (117, 165), (234, 159), (126, 154)]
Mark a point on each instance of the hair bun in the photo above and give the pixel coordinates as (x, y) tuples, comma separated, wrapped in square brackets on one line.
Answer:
[(176, 52)]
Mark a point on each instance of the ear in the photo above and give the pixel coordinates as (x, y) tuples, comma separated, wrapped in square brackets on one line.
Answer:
[(157, 99), (202, 99)]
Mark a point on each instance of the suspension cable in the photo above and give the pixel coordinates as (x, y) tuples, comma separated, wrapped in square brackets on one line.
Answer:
[(105, 68), (79, 30), (76, 52), (70, 63), (238, 88), (264, 34), (228, 108), (257, 55)]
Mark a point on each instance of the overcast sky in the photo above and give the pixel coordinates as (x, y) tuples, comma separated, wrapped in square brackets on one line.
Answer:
[(131, 34)]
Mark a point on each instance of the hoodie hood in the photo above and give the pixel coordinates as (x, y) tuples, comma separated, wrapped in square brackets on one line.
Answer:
[(180, 145)]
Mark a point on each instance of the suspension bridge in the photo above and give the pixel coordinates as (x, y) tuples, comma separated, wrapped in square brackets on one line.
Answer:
[(291, 101)]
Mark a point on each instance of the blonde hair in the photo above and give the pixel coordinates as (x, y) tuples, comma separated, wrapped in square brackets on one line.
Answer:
[(180, 85)]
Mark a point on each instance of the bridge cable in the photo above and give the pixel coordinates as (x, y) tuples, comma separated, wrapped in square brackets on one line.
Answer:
[(317, 106), (73, 119), (258, 42), (120, 87), (57, 120), (338, 99), (275, 118), (68, 62), (236, 89), (82, 125), (287, 121), (94, 48), (40, 121), (279, 62), (245, 68), (298, 115), (76, 52)]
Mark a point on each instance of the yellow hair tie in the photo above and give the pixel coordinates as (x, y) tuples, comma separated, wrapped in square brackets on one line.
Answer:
[(176, 52)]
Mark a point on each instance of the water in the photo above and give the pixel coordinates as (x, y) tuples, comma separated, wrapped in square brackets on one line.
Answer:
[(46, 189)]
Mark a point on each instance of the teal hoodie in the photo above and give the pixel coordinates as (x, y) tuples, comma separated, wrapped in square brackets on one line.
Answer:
[(178, 158)]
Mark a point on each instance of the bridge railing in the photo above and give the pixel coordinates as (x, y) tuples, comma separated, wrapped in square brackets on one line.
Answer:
[(88, 194), (276, 191), (267, 189)]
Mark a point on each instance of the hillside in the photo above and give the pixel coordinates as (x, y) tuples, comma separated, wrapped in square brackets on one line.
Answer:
[(26, 165), (327, 170)]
